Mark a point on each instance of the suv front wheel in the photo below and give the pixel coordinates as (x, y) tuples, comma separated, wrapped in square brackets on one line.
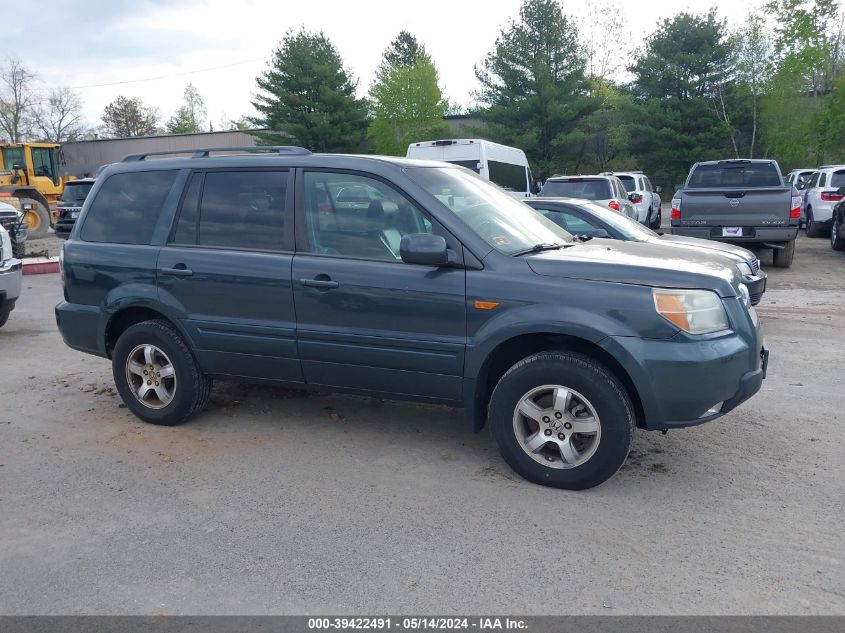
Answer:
[(562, 420), (157, 376)]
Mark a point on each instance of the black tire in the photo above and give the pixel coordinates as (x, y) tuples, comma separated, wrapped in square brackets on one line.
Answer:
[(579, 373), (813, 229), (837, 239), (5, 311), (655, 224), (782, 257), (192, 388), (43, 215), (18, 249)]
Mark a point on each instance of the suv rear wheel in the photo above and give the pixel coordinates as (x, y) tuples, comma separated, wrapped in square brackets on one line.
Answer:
[(655, 224), (813, 229), (156, 375), (837, 239), (562, 420)]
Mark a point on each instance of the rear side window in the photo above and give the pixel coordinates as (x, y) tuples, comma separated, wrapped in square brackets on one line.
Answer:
[(837, 179), (469, 164), (127, 207), (243, 209), (734, 175), (589, 189), (508, 176), (822, 180)]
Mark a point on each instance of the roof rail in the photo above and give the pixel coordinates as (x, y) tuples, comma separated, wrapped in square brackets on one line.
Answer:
[(204, 153)]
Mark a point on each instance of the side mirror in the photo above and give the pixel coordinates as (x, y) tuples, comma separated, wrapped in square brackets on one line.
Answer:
[(425, 249), (658, 189), (538, 185)]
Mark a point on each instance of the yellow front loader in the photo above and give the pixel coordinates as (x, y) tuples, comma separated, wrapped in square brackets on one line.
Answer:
[(29, 172)]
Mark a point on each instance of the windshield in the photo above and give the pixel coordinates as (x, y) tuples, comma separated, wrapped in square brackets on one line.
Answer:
[(502, 221), (632, 229), (734, 174), (76, 193), (586, 188)]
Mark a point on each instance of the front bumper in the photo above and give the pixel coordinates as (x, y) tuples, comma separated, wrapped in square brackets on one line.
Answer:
[(753, 234), (11, 274), (689, 380)]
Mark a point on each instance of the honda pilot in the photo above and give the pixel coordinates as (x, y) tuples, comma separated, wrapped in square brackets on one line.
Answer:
[(403, 279)]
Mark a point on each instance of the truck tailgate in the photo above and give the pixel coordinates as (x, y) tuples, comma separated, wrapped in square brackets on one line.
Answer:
[(760, 206)]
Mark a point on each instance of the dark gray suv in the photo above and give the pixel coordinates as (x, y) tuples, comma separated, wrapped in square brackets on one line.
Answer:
[(406, 279)]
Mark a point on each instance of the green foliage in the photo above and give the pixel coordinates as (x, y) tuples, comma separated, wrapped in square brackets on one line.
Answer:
[(126, 117), (534, 87), (407, 103), (681, 110), (190, 117), (307, 98)]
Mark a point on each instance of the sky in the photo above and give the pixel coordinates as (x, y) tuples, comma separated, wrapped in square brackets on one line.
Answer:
[(153, 48)]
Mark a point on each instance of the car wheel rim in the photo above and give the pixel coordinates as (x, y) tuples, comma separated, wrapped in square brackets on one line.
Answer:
[(557, 427), (151, 376)]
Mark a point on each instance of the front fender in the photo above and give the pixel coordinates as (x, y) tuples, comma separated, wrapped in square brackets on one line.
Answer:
[(586, 310)]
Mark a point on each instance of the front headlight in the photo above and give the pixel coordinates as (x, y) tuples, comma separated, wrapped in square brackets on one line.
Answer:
[(5, 245), (743, 293), (693, 311), (745, 269)]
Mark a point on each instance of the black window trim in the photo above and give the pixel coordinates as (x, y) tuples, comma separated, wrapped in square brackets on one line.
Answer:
[(301, 233), (287, 235)]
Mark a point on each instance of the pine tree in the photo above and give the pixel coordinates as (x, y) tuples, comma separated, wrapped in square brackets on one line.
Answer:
[(307, 98)]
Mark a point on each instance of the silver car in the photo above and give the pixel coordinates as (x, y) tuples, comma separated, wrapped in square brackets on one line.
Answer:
[(603, 189)]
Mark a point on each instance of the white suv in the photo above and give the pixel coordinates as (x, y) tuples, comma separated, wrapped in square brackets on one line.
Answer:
[(10, 277), (604, 189), (644, 197), (820, 196)]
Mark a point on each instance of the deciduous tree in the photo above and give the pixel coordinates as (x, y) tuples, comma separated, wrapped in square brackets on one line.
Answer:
[(407, 103), (190, 117), (127, 116), (17, 100)]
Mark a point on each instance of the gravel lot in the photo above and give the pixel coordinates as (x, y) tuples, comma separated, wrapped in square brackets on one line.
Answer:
[(277, 501)]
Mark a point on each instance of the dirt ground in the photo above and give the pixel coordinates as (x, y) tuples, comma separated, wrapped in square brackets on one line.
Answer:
[(277, 501)]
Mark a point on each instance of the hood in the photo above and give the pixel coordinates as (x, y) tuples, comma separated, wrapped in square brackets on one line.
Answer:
[(643, 263), (736, 252)]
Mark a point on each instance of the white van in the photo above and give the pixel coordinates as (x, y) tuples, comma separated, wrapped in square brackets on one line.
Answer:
[(500, 164)]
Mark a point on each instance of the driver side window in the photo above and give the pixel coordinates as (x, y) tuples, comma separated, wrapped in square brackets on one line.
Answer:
[(356, 216)]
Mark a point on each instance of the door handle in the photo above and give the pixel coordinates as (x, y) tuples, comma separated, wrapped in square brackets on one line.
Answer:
[(324, 283), (180, 270)]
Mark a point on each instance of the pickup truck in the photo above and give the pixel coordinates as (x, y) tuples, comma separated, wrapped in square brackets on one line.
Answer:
[(741, 201)]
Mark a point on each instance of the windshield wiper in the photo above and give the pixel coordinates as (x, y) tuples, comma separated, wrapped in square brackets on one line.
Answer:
[(540, 247)]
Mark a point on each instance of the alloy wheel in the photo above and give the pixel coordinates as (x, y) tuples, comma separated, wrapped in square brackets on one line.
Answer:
[(557, 426)]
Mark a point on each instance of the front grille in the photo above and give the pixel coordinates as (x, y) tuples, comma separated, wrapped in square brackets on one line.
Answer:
[(755, 265)]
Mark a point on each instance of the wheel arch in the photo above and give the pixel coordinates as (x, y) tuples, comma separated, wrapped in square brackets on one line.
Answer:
[(130, 315), (509, 352), (27, 192)]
